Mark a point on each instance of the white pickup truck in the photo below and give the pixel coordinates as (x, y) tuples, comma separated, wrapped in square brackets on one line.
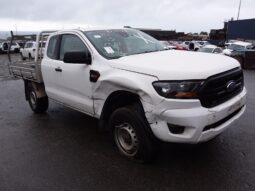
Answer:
[(141, 92), (29, 50)]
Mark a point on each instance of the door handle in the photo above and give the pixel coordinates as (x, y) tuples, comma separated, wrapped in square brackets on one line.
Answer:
[(58, 69)]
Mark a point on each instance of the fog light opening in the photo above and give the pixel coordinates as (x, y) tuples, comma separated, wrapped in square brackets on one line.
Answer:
[(176, 129)]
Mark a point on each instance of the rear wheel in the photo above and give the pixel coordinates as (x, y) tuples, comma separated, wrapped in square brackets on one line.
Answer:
[(38, 105), (130, 132)]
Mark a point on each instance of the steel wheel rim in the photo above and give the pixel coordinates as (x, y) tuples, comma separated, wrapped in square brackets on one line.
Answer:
[(126, 139), (33, 99)]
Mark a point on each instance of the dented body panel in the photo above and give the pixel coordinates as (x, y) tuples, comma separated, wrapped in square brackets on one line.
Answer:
[(119, 80)]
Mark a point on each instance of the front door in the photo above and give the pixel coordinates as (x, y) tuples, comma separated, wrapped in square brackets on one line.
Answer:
[(71, 85)]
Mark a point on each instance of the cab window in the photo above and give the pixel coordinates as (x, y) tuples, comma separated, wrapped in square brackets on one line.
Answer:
[(52, 50)]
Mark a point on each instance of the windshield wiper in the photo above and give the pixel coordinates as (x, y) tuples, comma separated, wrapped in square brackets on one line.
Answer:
[(166, 48), (149, 51)]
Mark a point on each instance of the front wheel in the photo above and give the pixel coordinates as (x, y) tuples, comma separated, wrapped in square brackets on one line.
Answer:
[(38, 105), (131, 136)]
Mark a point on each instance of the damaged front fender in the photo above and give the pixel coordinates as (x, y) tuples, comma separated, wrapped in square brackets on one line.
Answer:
[(119, 80)]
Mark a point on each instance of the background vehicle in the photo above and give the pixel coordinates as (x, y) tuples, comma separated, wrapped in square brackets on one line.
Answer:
[(173, 45), (21, 44), (168, 45), (139, 91), (211, 49), (237, 46), (177, 45), (191, 45), (229, 42), (14, 47), (203, 43), (245, 57), (29, 49), (5, 45), (243, 52)]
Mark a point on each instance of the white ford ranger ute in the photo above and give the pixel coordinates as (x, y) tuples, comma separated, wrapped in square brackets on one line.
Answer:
[(138, 90)]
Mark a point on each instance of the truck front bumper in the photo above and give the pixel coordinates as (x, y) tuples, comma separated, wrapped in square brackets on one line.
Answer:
[(191, 122)]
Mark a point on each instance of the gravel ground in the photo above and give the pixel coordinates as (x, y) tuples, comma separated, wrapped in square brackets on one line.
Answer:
[(4, 72)]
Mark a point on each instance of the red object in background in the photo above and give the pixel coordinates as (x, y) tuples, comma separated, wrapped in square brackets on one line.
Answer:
[(178, 46)]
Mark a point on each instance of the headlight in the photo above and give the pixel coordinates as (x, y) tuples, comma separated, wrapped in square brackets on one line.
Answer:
[(178, 90)]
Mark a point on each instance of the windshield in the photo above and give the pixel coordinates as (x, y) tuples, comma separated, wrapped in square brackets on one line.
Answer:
[(117, 43), (208, 50)]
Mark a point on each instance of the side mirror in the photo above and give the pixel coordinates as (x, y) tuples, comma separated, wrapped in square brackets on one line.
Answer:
[(77, 58)]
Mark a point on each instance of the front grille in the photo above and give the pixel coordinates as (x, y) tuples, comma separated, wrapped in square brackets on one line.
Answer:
[(221, 87)]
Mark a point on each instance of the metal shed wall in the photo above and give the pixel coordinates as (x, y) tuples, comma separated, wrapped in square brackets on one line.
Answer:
[(241, 29)]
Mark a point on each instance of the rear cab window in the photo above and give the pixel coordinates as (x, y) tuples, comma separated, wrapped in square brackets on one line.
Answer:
[(52, 50)]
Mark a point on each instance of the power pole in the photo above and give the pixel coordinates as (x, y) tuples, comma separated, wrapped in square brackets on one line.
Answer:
[(240, 3)]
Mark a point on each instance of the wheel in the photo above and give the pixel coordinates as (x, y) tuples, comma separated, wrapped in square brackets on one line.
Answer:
[(38, 105), (131, 135)]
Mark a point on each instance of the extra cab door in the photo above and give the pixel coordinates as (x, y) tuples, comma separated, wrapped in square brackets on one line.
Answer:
[(49, 64)]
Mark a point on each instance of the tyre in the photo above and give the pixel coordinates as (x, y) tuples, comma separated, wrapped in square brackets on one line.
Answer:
[(38, 105), (131, 135)]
